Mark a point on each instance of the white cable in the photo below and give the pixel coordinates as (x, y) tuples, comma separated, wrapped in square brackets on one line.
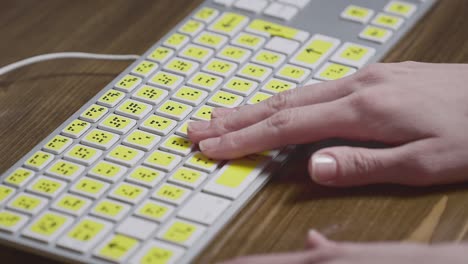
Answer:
[(65, 55)]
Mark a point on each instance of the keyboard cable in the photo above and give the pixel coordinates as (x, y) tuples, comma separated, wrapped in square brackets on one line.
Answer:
[(65, 55)]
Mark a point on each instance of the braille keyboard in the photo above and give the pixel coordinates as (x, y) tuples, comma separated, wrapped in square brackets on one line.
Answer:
[(120, 181)]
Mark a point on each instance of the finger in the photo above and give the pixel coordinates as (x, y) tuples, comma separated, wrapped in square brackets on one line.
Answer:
[(316, 240), (305, 257), (220, 112), (251, 114), (291, 126), (352, 166)]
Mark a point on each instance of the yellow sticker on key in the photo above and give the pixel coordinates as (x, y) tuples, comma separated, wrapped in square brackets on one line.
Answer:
[(128, 83), (178, 145), (5, 193), (276, 86), (47, 186), (273, 29), (107, 170), (239, 169), (161, 54), (315, 51), (179, 232), (206, 14), (226, 99), (39, 160), (76, 128), (229, 23), (258, 97), (191, 27), (176, 40), (8, 219), (145, 68), (64, 169), (19, 177), (158, 124), (86, 230), (48, 224), (118, 247), (58, 144), (94, 113), (71, 203), (334, 71), (152, 210), (111, 98), (203, 113), (240, 86)]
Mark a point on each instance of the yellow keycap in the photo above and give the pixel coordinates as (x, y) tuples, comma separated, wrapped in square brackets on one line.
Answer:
[(27, 203), (11, 222), (181, 66), (150, 95), (220, 67), (249, 41), (357, 13), (175, 110), (334, 71), (76, 128), (269, 58), (90, 187), (211, 40), (189, 95), (400, 8), (128, 193), (161, 54), (158, 124), (255, 72), (191, 27), (293, 73), (94, 113), (47, 186), (388, 21), (277, 86), (239, 170), (117, 124), (176, 41), (72, 204), (206, 14), (376, 34), (178, 145), (225, 99), (202, 162), (162, 160), (197, 53), (19, 177), (86, 230), (205, 81), (166, 80), (181, 232), (183, 129), (111, 98), (48, 226), (154, 210), (110, 209), (83, 154), (127, 83), (229, 23), (5, 193), (65, 170), (145, 68), (117, 248), (187, 177), (203, 113), (353, 55), (141, 140), (258, 97), (134, 109), (270, 29), (240, 86), (125, 155), (39, 160), (107, 171), (235, 54), (171, 193), (100, 139), (58, 144), (145, 176), (315, 51)]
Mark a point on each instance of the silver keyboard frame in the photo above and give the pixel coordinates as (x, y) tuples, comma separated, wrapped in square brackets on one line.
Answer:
[(330, 24)]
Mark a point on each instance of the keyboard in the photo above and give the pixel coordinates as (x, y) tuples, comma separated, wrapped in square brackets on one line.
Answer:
[(120, 182)]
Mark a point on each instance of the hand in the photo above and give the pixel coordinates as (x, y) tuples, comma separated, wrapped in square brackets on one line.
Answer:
[(419, 110), (322, 251)]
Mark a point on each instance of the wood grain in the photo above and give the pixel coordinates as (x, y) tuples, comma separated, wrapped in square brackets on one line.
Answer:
[(36, 99)]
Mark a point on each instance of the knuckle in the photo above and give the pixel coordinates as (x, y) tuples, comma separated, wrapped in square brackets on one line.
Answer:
[(227, 141), (373, 73), (280, 120), (364, 101), (279, 101), (361, 165)]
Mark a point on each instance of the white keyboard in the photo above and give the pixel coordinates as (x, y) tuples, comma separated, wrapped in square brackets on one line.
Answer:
[(120, 181)]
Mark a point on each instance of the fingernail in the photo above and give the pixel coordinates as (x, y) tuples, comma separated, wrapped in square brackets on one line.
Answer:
[(209, 143), (198, 125), (323, 168)]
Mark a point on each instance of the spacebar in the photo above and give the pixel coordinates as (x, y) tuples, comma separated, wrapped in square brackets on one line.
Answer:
[(236, 176)]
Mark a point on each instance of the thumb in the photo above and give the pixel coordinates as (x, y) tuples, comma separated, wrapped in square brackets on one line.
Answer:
[(316, 240), (349, 166)]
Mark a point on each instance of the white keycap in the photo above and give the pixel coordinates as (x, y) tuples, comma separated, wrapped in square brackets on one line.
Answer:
[(49, 224), (253, 46), (64, 169), (395, 26), (204, 208), (22, 220), (46, 186), (297, 3), (102, 146), (253, 6), (224, 2), (184, 67), (132, 110), (236, 176), (115, 217), (346, 14), (312, 81), (173, 253), (154, 211), (282, 45), (85, 203), (354, 63), (412, 8), (380, 40), (101, 174), (191, 234), (26, 207), (319, 76), (277, 10), (82, 237), (137, 228)]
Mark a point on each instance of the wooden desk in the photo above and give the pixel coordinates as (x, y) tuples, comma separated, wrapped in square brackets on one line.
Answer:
[(36, 99)]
